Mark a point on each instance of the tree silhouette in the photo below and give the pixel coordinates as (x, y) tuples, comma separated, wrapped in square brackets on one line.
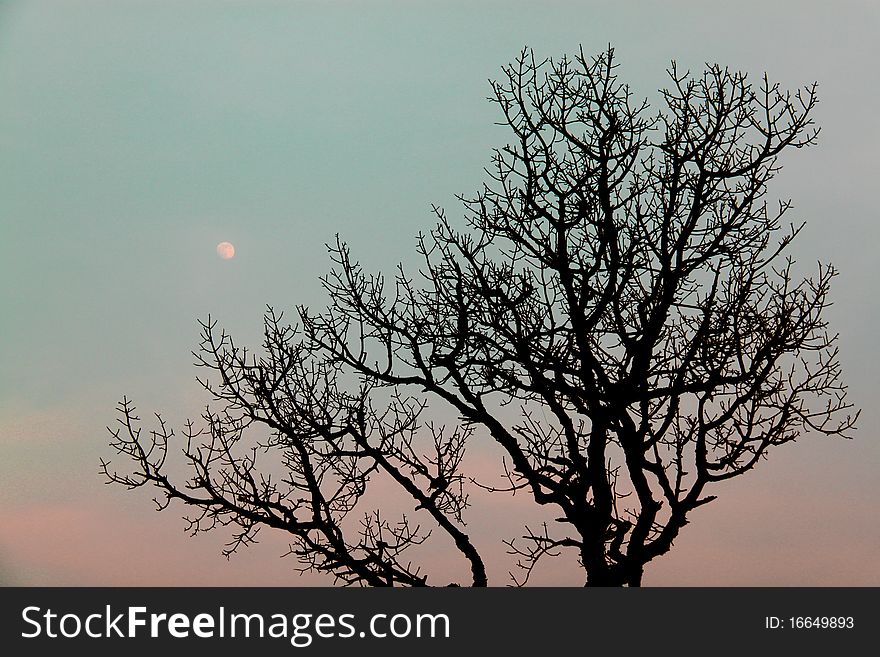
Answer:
[(620, 315)]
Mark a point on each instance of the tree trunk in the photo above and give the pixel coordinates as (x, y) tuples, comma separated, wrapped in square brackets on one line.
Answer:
[(630, 576)]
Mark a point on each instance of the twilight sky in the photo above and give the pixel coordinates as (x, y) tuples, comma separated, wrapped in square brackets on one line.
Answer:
[(135, 135)]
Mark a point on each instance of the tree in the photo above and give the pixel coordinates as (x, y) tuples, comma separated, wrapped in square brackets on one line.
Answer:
[(621, 315)]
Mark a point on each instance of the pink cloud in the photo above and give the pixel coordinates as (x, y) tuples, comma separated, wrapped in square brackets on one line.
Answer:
[(797, 521), (80, 544)]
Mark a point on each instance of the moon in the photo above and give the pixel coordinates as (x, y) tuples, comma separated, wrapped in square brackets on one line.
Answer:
[(225, 250)]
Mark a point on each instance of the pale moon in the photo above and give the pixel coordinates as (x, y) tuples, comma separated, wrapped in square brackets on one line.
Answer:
[(225, 250)]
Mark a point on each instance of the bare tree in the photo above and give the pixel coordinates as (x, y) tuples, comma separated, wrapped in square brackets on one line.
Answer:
[(620, 315)]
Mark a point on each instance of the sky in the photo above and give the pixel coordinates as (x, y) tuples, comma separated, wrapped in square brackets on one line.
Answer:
[(135, 135)]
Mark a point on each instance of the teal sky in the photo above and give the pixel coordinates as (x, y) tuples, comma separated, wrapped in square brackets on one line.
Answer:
[(137, 134)]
